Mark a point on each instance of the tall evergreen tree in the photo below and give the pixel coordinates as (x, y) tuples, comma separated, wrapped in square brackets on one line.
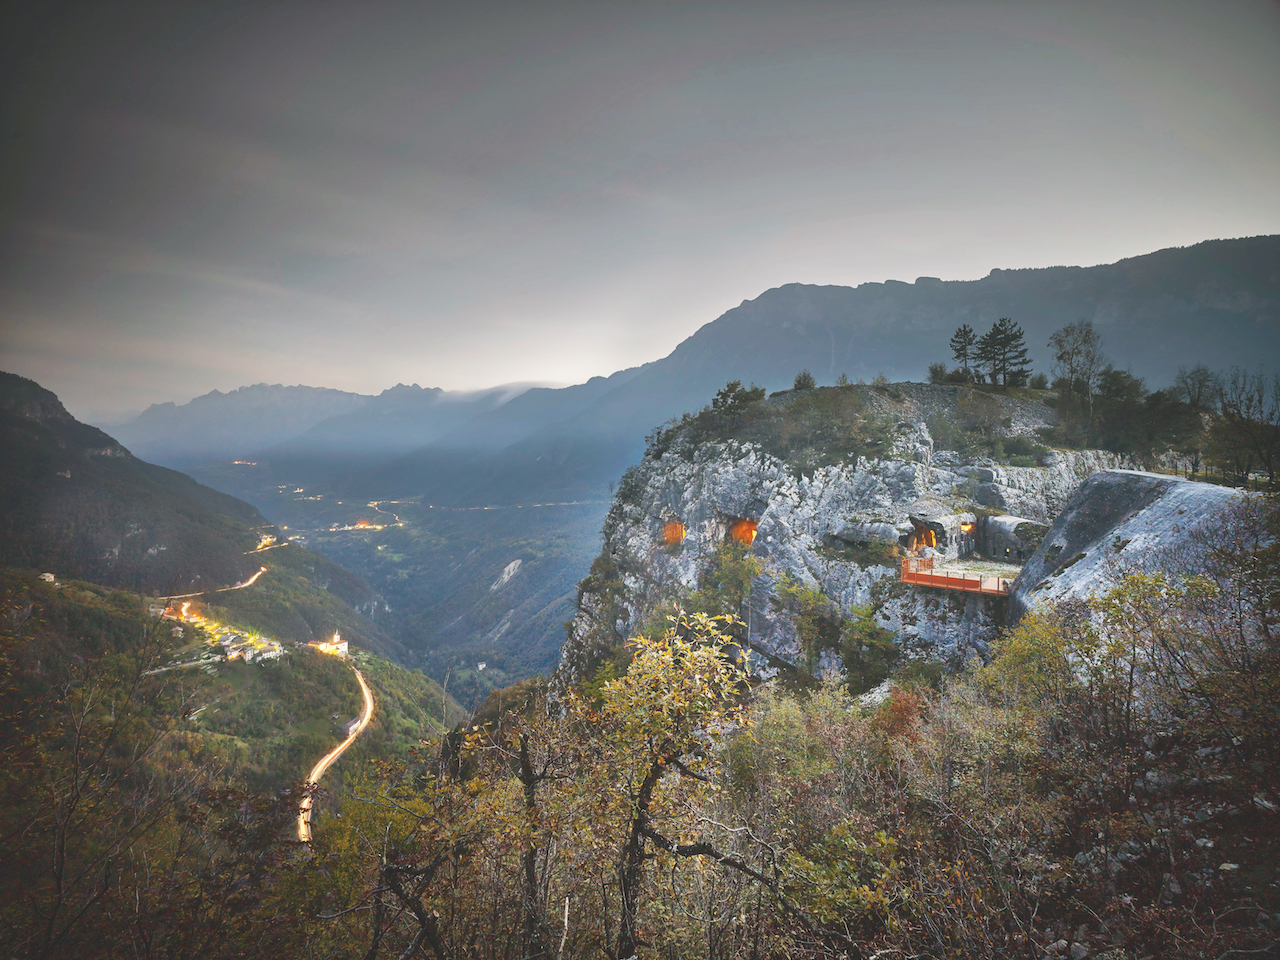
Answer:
[(962, 345), (1003, 351)]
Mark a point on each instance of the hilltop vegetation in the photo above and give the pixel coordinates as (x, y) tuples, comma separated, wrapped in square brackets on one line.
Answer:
[(1204, 419), (809, 427), (145, 808)]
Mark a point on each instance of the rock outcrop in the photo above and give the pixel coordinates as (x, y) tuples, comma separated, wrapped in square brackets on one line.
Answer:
[(837, 528), (1117, 521)]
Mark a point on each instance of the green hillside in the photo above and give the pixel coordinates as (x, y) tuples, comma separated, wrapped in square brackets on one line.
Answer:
[(74, 501), (302, 596), (131, 790)]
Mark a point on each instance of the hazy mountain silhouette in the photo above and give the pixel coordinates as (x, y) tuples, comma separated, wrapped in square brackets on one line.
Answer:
[(74, 501), (1217, 303), (231, 424)]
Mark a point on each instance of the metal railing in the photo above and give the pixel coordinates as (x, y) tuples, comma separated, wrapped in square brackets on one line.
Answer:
[(920, 571)]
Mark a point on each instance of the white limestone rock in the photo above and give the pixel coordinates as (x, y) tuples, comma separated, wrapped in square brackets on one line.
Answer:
[(1118, 520), (802, 521)]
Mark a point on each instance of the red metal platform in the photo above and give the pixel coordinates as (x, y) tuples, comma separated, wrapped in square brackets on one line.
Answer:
[(920, 571)]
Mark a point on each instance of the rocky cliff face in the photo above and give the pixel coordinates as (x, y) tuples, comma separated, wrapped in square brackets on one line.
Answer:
[(838, 528), (1117, 521)]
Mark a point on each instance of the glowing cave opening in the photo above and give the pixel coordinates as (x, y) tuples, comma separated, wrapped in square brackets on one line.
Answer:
[(744, 531), (920, 538), (673, 532)]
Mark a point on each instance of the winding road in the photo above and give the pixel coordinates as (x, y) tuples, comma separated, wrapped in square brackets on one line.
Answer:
[(236, 586), (304, 812)]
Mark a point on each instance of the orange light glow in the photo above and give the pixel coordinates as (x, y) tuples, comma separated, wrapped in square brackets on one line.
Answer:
[(364, 523), (673, 532), (967, 527), (744, 531), (922, 537)]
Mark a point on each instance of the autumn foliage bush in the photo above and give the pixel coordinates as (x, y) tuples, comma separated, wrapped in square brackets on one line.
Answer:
[(1106, 782)]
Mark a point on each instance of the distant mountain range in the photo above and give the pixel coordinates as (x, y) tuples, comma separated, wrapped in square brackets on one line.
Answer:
[(230, 424), (1216, 303), (302, 420)]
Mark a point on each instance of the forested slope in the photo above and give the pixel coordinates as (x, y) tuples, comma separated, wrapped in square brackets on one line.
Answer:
[(150, 809), (74, 501)]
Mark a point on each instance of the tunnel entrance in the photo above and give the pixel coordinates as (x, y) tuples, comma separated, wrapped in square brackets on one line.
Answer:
[(923, 535)]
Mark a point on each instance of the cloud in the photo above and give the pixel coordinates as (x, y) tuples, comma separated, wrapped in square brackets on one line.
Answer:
[(460, 196)]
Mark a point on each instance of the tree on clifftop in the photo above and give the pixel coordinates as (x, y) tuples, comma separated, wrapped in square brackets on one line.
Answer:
[(1077, 366), (1003, 351), (962, 343), (1249, 408)]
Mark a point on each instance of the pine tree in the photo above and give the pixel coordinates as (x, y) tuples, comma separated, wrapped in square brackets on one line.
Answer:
[(1003, 350), (962, 345)]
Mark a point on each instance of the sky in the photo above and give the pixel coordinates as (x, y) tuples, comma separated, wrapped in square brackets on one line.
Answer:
[(199, 196)]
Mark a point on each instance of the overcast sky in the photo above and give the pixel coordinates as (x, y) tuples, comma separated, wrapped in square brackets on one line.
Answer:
[(464, 194)]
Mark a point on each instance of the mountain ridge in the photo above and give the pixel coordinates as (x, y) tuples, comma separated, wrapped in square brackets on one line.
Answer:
[(1216, 302), (806, 326)]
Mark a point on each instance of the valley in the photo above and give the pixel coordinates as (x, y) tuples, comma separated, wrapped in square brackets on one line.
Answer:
[(865, 655), (631, 481)]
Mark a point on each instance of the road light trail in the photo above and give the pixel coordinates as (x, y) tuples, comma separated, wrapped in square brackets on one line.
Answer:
[(235, 586), (304, 812), (378, 509)]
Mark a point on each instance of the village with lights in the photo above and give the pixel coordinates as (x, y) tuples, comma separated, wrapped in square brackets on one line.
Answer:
[(224, 642)]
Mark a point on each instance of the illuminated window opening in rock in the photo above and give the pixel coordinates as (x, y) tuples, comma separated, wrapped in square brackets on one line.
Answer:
[(673, 532), (920, 538), (744, 531)]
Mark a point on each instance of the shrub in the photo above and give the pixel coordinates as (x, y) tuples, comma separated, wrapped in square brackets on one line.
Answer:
[(938, 373), (804, 381), (1024, 448)]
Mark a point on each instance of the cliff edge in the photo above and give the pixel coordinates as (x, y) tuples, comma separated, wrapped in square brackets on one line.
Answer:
[(1117, 521)]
